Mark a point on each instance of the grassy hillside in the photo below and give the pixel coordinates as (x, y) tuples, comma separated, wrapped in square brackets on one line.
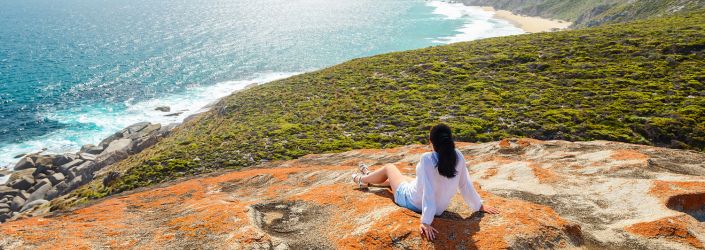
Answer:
[(588, 13), (642, 82)]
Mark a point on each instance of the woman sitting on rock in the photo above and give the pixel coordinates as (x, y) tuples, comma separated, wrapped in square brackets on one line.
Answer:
[(439, 175)]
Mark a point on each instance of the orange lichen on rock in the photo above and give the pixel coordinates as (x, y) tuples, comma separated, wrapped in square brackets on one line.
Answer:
[(667, 189), (677, 228), (504, 143), (544, 175), (299, 203), (624, 154), (489, 173)]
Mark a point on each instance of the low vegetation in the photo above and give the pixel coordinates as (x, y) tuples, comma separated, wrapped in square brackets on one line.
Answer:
[(588, 13), (642, 82)]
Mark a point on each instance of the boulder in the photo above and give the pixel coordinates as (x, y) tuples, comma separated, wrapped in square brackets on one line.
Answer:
[(87, 156), (17, 203), (23, 194), (120, 145), (134, 128), (8, 191), (75, 183), (23, 184), (143, 143), (57, 190), (63, 159), (163, 108), (110, 178), (44, 161), (40, 176), (84, 169), (56, 178), (147, 131), (33, 204), (64, 169), (16, 175), (105, 142), (40, 190), (24, 163), (92, 149), (4, 205)]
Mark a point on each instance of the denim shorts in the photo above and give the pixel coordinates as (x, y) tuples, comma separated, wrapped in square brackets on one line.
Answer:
[(401, 197)]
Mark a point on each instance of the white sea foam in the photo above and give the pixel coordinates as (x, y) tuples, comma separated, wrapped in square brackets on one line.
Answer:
[(478, 22), (92, 124)]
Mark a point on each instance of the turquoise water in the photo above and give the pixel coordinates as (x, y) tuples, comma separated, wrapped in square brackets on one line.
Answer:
[(75, 71)]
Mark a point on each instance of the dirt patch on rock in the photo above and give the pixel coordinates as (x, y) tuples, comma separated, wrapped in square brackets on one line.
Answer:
[(298, 225)]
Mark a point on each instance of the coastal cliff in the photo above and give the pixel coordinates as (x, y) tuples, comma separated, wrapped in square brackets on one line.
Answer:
[(552, 194), (593, 12)]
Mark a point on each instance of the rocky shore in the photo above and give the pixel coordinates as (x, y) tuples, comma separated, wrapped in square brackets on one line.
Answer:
[(38, 178)]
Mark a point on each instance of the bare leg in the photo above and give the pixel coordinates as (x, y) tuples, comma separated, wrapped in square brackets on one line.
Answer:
[(388, 173)]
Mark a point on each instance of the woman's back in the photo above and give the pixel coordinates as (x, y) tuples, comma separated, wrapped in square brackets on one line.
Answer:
[(432, 192)]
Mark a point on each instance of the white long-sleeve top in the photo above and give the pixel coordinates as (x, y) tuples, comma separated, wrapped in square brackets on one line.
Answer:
[(432, 192)]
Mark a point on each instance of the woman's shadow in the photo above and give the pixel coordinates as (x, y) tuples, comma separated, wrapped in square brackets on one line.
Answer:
[(447, 223)]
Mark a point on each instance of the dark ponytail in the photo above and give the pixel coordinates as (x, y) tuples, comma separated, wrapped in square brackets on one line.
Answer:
[(443, 144)]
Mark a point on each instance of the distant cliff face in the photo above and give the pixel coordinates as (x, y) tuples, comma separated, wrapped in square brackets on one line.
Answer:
[(593, 12), (552, 194)]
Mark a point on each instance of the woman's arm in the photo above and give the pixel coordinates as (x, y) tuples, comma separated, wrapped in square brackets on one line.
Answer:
[(467, 190), (428, 204)]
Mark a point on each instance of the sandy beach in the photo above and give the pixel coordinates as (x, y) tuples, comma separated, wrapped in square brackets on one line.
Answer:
[(528, 23)]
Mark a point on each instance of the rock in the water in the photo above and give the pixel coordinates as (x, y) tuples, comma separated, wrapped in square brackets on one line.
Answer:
[(24, 163), (56, 178), (33, 204), (174, 114), (87, 156), (23, 184), (17, 203), (163, 108)]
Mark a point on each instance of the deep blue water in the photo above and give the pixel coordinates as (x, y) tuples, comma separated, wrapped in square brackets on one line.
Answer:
[(75, 71)]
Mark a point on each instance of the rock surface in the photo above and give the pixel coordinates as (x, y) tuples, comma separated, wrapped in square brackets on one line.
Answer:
[(553, 194)]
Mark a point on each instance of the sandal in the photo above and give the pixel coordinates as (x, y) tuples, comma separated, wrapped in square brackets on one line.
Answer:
[(357, 178), (364, 169)]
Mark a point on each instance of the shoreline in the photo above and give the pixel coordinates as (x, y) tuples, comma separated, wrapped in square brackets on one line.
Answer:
[(530, 24)]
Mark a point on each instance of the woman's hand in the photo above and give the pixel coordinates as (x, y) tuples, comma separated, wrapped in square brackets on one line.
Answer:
[(489, 210), (428, 231)]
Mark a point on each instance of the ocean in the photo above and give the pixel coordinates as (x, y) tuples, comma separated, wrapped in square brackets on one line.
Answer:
[(75, 71)]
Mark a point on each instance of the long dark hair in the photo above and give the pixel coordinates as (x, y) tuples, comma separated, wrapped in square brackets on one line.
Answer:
[(442, 141)]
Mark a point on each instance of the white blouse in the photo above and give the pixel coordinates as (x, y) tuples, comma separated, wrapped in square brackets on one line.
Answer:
[(432, 192)]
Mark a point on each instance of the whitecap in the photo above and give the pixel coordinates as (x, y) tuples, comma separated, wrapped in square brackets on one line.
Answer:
[(478, 23)]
